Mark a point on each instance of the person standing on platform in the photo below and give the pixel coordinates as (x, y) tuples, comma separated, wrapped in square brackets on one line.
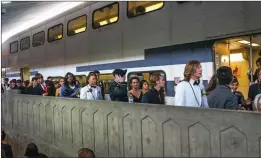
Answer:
[(191, 92), (99, 83), (91, 91), (155, 95), (69, 89), (118, 88), (222, 96)]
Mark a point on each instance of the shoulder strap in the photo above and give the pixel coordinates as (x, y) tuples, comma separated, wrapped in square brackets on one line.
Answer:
[(194, 94)]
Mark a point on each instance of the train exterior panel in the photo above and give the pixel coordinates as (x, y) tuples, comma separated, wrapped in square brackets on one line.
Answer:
[(180, 32)]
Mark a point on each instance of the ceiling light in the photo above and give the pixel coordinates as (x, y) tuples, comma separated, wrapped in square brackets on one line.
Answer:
[(80, 30), (254, 44), (236, 57), (41, 17), (6, 2), (244, 42), (154, 7)]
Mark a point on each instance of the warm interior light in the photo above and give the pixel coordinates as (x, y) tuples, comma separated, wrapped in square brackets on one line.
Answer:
[(59, 36), (244, 42), (103, 22), (236, 57), (254, 44), (80, 30), (154, 7), (113, 19), (224, 59)]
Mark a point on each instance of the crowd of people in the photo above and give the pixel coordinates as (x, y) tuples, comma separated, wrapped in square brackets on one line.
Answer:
[(32, 151), (220, 93)]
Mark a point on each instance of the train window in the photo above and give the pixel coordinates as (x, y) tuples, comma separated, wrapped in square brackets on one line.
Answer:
[(25, 43), (55, 33), (82, 80), (136, 8), (106, 79), (14, 47), (77, 25), (38, 39), (145, 75), (56, 78), (106, 15)]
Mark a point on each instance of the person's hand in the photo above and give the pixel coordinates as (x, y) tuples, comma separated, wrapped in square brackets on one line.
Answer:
[(248, 101)]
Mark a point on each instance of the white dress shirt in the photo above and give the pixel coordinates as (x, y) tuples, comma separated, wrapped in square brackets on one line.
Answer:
[(186, 97), (91, 93)]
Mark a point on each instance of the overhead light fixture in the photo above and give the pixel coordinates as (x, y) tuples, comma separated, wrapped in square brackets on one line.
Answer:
[(113, 19), (59, 36), (41, 17), (244, 42), (154, 7), (236, 57), (80, 30), (6, 2), (103, 22), (254, 44)]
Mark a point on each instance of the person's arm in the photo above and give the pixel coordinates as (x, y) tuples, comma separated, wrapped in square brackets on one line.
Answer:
[(83, 94), (180, 97)]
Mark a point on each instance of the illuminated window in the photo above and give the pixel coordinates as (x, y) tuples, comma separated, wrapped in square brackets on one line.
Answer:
[(145, 75), (55, 33), (14, 47), (105, 15), (136, 8), (25, 43), (77, 25), (38, 39)]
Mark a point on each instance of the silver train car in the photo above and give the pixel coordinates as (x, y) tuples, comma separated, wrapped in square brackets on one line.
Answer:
[(142, 37)]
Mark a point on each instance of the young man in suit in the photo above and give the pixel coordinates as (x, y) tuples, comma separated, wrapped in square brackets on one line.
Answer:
[(91, 91), (222, 96)]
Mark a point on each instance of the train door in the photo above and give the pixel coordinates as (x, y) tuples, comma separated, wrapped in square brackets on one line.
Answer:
[(238, 54), (25, 73)]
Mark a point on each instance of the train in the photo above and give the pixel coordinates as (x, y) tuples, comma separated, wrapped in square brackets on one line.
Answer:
[(142, 37)]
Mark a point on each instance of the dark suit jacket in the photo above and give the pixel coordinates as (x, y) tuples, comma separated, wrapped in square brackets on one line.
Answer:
[(7, 149), (37, 90), (222, 97)]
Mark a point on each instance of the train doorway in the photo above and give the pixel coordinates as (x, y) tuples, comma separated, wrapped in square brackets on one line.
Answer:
[(240, 54), (25, 73)]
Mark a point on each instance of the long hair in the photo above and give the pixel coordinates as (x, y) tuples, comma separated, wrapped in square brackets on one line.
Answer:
[(212, 84), (142, 83), (66, 79), (154, 78), (190, 69)]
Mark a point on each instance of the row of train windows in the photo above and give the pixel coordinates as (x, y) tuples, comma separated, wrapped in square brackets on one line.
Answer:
[(107, 79), (103, 16)]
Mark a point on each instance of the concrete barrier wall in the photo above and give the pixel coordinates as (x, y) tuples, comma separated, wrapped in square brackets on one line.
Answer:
[(62, 126)]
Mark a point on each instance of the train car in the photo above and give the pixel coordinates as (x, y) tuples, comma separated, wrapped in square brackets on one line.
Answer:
[(142, 37)]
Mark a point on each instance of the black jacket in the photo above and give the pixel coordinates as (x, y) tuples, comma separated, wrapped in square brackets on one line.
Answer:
[(37, 90), (118, 91), (7, 149), (222, 98), (153, 96)]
